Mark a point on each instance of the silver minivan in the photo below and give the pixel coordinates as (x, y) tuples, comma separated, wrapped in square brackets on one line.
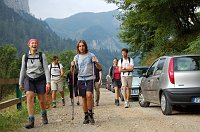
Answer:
[(171, 80)]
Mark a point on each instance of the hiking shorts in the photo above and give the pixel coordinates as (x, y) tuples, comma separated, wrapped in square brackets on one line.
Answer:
[(38, 87), (126, 81), (84, 86), (116, 83), (57, 85)]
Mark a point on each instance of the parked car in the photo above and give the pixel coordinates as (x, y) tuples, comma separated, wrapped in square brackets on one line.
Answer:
[(137, 77), (170, 81)]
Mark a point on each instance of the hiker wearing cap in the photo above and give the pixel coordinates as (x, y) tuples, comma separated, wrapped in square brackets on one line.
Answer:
[(85, 63), (56, 74), (126, 67), (34, 78)]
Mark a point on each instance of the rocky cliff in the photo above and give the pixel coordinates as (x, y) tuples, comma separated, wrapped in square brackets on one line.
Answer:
[(18, 5)]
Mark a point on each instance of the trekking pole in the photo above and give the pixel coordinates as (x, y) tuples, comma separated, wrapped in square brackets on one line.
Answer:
[(73, 72), (93, 89)]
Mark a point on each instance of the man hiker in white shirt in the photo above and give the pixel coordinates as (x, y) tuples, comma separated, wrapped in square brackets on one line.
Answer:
[(126, 67), (56, 74)]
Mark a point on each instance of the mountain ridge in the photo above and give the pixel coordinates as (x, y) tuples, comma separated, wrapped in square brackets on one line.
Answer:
[(103, 28)]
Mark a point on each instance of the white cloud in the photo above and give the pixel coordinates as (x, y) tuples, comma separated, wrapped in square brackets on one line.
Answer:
[(65, 8)]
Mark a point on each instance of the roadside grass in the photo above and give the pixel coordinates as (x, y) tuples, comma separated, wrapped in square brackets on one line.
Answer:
[(12, 119)]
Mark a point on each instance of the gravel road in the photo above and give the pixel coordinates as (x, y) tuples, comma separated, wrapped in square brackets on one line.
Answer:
[(110, 118)]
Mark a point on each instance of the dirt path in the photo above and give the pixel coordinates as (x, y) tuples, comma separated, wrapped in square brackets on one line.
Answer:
[(110, 118)]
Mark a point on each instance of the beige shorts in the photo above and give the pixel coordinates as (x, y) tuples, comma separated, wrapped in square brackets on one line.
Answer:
[(126, 81), (57, 85)]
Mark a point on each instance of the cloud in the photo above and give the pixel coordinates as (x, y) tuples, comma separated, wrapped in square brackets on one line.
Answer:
[(65, 8)]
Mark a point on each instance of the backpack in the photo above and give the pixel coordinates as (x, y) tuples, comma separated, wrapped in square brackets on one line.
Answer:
[(111, 71), (40, 58), (54, 67), (129, 59)]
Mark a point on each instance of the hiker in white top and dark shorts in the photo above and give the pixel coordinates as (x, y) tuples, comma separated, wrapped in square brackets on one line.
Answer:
[(126, 67), (56, 73), (85, 63)]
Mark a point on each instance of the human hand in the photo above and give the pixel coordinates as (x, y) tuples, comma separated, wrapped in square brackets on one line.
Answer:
[(94, 59), (72, 63), (48, 86), (21, 87)]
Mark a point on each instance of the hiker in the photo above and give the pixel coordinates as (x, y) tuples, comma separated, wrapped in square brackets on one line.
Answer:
[(116, 79), (34, 78), (85, 62), (56, 74), (126, 67), (73, 90), (98, 81)]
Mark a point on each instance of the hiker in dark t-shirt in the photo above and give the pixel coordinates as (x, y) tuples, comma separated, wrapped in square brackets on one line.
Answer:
[(98, 81), (73, 87)]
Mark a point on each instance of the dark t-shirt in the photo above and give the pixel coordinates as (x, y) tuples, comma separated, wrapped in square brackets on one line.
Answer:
[(69, 77)]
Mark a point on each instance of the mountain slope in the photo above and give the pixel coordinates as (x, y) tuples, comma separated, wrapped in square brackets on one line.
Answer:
[(98, 29), (17, 28)]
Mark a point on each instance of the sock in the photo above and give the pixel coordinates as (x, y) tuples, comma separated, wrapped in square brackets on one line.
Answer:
[(31, 116), (44, 112)]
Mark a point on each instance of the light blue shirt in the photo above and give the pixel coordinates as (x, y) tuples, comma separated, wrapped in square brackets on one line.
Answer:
[(85, 66)]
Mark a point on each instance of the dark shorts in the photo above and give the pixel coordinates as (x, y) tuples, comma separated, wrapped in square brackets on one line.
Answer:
[(85, 85), (116, 83), (38, 86), (71, 91)]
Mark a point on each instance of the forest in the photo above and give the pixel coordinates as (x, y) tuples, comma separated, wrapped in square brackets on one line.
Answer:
[(153, 28)]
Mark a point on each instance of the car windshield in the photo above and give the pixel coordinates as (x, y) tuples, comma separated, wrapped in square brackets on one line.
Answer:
[(188, 63), (137, 72)]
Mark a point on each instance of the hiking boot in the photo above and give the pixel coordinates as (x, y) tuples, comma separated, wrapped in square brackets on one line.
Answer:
[(126, 104), (78, 103), (54, 105), (63, 102), (86, 119), (44, 118), (97, 103), (117, 102), (30, 124), (91, 119)]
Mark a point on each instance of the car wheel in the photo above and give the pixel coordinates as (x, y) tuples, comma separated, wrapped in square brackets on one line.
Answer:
[(166, 107), (121, 95), (141, 101)]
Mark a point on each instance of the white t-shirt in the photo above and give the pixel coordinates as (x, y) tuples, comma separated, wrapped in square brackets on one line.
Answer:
[(125, 64), (55, 71)]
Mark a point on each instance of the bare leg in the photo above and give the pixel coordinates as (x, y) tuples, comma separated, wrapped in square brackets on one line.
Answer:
[(62, 94), (116, 93), (54, 95), (84, 104), (125, 95), (30, 102), (42, 101), (89, 100)]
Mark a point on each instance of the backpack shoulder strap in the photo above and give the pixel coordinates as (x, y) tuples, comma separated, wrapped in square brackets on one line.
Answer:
[(58, 65), (41, 58), (129, 59), (50, 69), (26, 60), (121, 60)]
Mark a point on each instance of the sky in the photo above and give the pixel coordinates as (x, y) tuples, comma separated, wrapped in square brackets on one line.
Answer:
[(64, 8)]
